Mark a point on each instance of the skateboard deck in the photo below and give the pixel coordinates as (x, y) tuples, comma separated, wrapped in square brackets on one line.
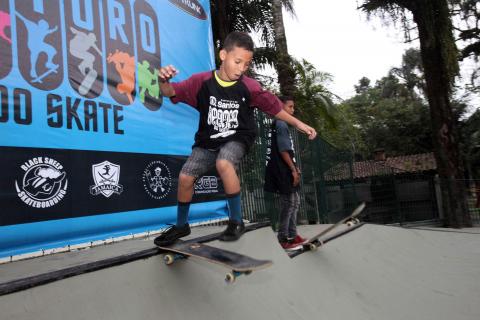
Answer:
[(238, 263), (314, 242), (46, 73)]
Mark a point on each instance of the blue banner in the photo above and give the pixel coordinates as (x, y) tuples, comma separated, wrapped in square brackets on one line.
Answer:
[(89, 147)]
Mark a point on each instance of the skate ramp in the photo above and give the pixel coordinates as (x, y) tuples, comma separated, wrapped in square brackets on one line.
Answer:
[(148, 289), (374, 272), (380, 272)]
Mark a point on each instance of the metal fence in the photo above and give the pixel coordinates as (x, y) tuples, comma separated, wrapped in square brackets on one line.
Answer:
[(332, 185), (314, 158), (473, 200)]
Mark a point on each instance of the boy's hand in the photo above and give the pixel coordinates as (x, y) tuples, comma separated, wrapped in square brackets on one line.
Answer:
[(296, 177), (167, 73), (309, 131)]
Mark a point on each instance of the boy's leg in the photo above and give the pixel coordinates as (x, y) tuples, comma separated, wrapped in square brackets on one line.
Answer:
[(199, 162), (184, 197), (294, 206), (284, 218), (228, 159)]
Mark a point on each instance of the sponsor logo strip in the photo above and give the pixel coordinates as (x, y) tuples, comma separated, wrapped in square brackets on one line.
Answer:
[(47, 184)]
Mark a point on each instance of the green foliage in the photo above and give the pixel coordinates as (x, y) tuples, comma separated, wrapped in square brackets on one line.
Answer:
[(466, 20), (247, 16), (313, 99), (432, 21), (391, 115)]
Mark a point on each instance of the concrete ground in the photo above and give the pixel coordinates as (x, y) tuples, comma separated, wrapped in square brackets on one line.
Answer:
[(373, 272)]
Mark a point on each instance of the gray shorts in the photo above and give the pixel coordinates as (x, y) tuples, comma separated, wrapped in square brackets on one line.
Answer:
[(202, 160)]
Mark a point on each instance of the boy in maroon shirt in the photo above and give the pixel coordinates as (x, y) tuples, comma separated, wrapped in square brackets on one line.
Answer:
[(225, 100)]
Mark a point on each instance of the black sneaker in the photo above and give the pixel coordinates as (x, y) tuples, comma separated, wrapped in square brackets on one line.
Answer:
[(233, 232), (170, 235)]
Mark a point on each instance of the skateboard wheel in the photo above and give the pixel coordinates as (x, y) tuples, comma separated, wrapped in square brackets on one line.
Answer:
[(230, 278), (248, 272), (312, 247), (350, 223), (357, 221), (168, 259)]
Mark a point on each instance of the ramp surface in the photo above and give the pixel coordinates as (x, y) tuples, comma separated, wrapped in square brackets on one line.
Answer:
[(374, 272)]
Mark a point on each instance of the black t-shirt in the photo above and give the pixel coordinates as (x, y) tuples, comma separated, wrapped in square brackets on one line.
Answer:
[(278, 176), (226, 111)]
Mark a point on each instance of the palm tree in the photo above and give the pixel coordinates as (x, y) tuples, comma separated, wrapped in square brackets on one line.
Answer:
[(313, 97), (246, 16), (265, 17), (283, 63)]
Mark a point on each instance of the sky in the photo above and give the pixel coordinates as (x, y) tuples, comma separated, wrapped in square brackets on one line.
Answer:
[(339, 39)]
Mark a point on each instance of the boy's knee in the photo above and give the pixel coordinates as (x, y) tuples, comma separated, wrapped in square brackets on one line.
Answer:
[(185, 180), (224, 166)]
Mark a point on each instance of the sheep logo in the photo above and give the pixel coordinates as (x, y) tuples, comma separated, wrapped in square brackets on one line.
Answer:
[(44, 183)]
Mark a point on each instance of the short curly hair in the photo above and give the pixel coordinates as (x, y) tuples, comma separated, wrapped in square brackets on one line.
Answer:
[(238, 39)]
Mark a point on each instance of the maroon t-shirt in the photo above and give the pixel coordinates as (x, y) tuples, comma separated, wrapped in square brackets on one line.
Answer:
[(226, 113)]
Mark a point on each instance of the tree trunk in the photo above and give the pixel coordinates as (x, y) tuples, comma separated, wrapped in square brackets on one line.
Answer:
[(439, 56), (220, 24), (286, 74)]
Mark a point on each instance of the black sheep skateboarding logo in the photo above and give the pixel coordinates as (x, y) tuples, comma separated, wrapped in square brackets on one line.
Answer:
[(106, 176), (44, 183), (157, 180)]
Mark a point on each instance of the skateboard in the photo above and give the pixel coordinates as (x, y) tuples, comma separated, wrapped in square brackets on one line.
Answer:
[(314, 242), (87, 82), (46, 73), (239, 264)]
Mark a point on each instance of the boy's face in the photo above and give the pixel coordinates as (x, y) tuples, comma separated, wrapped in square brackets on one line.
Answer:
[(289, 107), (234, 63)]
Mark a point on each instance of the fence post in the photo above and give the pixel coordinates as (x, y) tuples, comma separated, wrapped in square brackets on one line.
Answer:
[(438, 197)]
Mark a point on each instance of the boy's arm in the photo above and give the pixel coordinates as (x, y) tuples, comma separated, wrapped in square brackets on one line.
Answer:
[(284, 145), (269, 103), (167, 89), (291, 120), (295, 172), (185, 91), (165, 74)]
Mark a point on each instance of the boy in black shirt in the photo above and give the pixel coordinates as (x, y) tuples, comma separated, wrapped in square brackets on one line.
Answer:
[(283, 176), (224, 99)]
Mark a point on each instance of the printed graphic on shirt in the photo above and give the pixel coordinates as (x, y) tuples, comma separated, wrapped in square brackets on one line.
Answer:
[(223, 117)]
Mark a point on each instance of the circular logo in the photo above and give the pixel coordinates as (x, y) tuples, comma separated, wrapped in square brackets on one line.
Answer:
[(44, 183), (157, 180)]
